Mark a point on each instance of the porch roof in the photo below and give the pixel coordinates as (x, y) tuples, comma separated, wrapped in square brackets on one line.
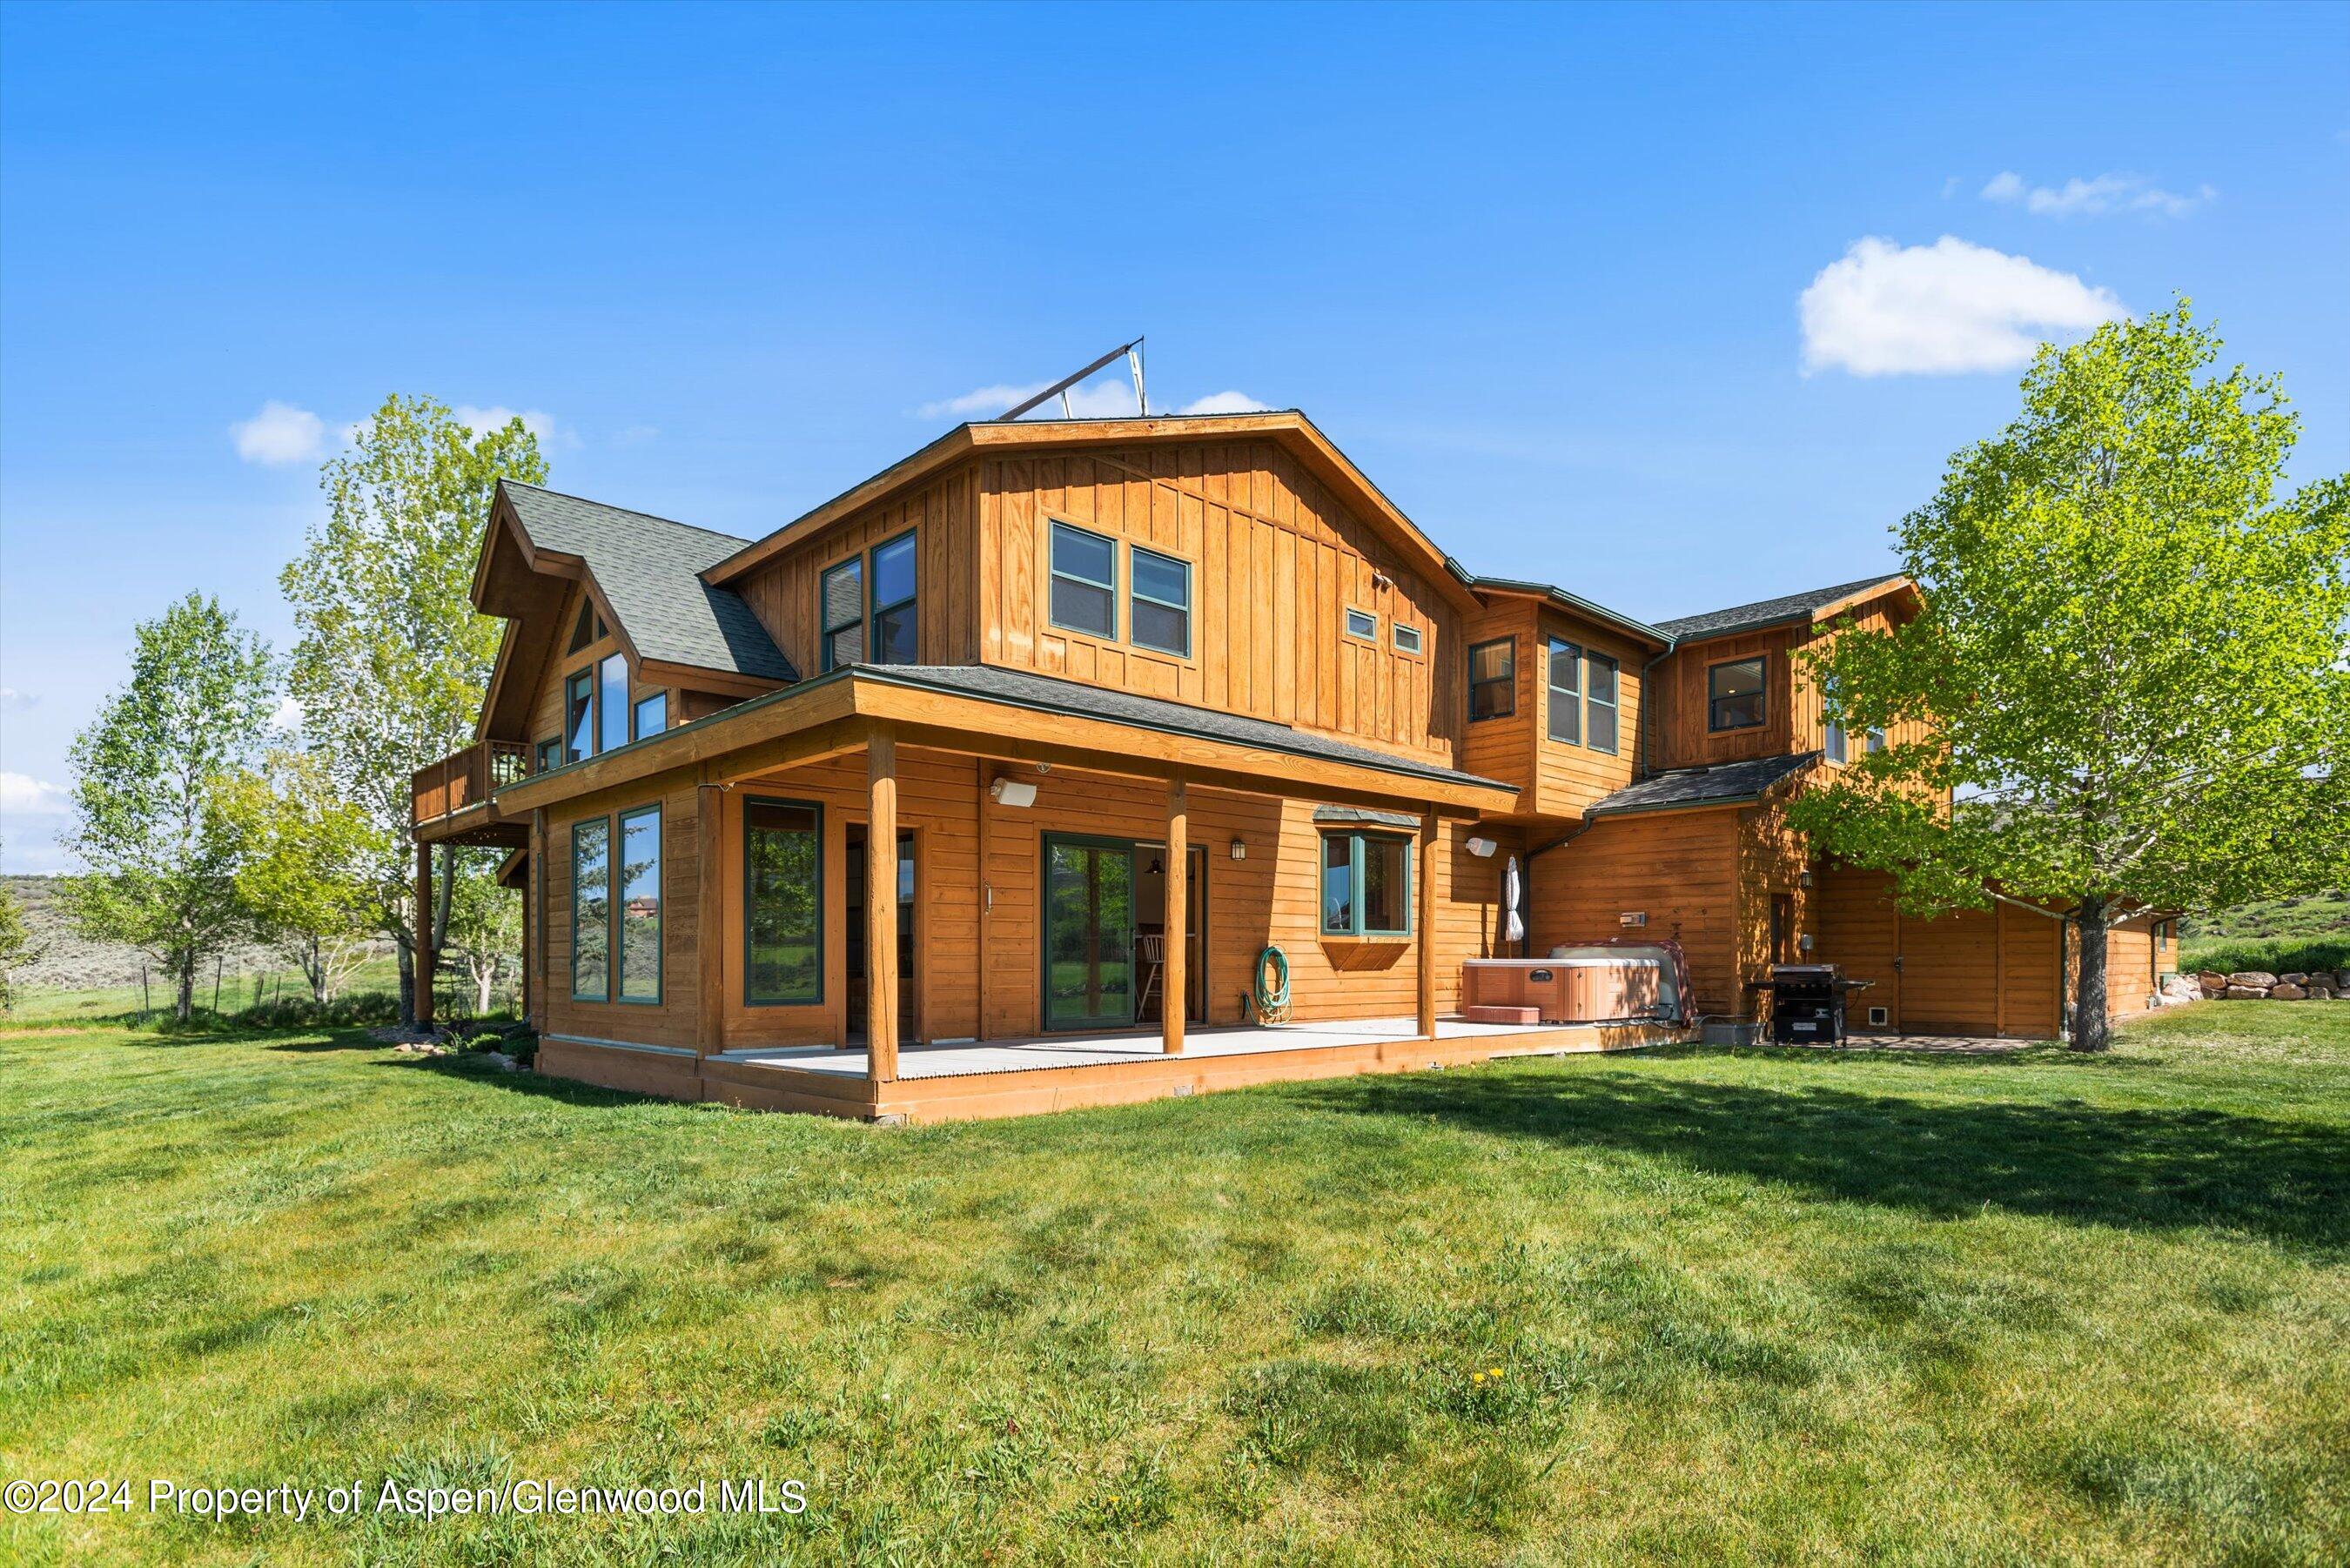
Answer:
[(993, 712), (1726, 784)]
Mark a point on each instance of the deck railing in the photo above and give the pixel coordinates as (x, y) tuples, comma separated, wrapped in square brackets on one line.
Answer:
[(467, 777)]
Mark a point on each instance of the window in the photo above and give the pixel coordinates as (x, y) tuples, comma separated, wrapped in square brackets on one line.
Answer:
[(1493, 679), (1733, 695), (612, 703), (583, 630), (1832, 742), (1362, 624), (1159, 607), (579, 716), (591, 909), (1366, 885), (1599, 724), (650, 716), (1407, 638), (1875, 739), (783, 902), (548, 754), (1565, 680), (640, 905), (1085, 581), (897, 618), (842, 604)]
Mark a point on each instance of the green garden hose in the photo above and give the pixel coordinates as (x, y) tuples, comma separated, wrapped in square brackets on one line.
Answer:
[(1271, 1002)]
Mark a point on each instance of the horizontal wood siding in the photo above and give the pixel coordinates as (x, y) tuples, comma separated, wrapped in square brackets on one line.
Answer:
[(1679, 869), (672, 1021), (1275, 561)]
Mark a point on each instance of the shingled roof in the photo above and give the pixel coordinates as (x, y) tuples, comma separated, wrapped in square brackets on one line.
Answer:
[(649, 571), (1718, 785), (1766, 612), (1050, 695)]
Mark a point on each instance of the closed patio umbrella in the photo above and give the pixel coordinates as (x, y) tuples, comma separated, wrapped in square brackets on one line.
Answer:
[(1512, 927)]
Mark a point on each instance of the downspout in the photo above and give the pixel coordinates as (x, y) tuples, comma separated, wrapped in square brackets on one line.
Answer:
[(1645, 705)]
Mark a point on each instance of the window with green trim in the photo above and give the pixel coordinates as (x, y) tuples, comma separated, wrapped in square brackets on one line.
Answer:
[(1366, 885), (652, 714), (639, 942), (1084, 591), (1599, 726), (841, 601), (1565, 680), (591, 909), (1158, 611), (579, 715), (549, 755), (783, 902), (897, 613)]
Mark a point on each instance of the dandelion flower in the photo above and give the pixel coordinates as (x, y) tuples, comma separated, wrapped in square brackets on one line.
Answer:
[(1496, 1371)]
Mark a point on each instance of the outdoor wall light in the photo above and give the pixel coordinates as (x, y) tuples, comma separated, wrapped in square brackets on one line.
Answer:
[(1483, 848), (1239, 850), (1013, 793)]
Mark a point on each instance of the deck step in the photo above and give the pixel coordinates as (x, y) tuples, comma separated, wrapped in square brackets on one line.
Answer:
[(1501, 1014)]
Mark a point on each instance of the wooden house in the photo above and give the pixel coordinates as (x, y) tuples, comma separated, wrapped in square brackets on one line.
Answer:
[(986, 785)]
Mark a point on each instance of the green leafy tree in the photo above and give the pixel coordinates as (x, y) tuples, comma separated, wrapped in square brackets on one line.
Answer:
[(305, 877), (160, 857), (392, 658), (484, 929), (2134, 656), (16, 946)]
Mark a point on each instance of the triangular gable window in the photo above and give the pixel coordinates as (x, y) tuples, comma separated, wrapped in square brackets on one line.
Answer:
[(588, 630)]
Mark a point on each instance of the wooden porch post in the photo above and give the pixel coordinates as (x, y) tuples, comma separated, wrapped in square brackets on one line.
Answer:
[(424, 958), (881, 906), (533, 961), (710, 932), (1174, 987), (1425, 889)]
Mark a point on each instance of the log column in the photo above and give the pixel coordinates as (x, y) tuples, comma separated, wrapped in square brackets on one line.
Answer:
[(1424, 892), (709, 926), (881, 906), (1174, 985), (424, 955)]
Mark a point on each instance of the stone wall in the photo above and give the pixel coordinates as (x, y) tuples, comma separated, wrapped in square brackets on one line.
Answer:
[(2255, 984)]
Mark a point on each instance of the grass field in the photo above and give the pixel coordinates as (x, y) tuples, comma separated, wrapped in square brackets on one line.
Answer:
[(1768, 1306)]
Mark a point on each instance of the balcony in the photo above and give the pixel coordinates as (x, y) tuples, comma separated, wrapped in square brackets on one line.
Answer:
[(465, 779)]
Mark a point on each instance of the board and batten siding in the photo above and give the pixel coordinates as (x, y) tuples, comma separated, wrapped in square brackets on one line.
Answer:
[(1558, 780), (1276, 563)]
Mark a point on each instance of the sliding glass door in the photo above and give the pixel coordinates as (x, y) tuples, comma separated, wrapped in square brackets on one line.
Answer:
[(1088, 933)]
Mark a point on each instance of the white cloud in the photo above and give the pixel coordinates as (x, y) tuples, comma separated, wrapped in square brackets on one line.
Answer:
[(537, 421), (636, 435), (2095, 198), (14, 701), (23, 795), (279, 434), (981, 403), (288, 716), (1224, 404), (1947, 308)]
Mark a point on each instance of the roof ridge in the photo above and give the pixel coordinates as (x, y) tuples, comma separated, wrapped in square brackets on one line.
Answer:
[(625, 510), (1823, 594)]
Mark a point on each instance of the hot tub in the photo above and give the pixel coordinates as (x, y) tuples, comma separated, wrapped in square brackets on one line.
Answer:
[(1603, 983)]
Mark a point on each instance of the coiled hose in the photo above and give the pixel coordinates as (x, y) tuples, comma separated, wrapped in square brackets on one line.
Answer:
[(1274, 1003)]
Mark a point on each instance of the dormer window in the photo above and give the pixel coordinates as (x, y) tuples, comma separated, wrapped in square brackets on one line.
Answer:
[(1733, 695)]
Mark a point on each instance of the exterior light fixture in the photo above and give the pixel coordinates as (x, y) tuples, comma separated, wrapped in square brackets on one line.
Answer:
[(1483, 848), (1016, 793), (1239, 850)]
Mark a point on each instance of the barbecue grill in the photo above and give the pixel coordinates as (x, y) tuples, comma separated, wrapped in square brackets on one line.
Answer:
[(1807, 1003)]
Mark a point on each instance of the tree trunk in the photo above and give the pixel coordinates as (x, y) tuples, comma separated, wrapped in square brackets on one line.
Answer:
[(185, 1008), (2092, 1031), (407, 952), (484, 977)]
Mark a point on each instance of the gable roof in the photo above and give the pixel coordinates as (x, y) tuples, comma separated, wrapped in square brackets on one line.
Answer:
[(1287, 428), (649, 572), (1723, 784), (1805, 606), (1553, 594)]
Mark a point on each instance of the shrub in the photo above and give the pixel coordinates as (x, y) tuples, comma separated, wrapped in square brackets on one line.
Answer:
[(2278, 955)]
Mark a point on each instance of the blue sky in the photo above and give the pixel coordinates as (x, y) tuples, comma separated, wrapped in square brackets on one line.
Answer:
[(1676, 307)]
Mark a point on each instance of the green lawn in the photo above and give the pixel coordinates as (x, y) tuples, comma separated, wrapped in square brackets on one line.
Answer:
[(1749, 1306)]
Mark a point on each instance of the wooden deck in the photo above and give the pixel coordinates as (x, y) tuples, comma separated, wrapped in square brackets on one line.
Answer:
[(1063, 1072)]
